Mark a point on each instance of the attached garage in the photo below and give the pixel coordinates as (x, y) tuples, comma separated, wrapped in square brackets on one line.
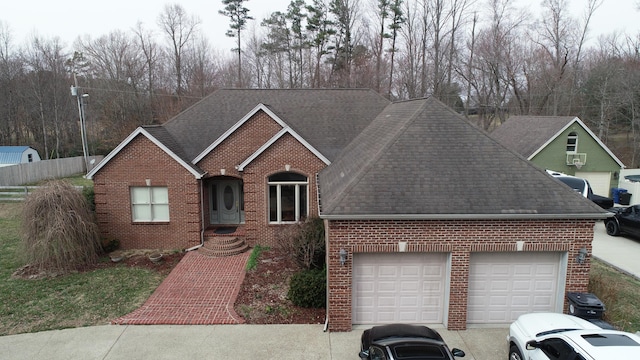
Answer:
[(503, 286), (399, 287)]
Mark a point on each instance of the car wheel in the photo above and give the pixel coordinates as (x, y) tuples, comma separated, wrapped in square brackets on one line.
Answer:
[(514, 353), (612, 228)]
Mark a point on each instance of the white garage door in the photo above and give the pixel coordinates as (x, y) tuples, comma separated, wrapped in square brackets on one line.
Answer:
[(399, 287), (502, 286), (600, 182)]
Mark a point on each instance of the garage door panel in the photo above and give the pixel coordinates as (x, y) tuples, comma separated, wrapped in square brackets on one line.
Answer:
[(403, 287), (388, 271), (410, 271), (499, 285), (522, 285), (410, 286), (503, 286)]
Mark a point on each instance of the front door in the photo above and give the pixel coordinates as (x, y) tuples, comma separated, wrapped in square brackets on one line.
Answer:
[(226, 202)]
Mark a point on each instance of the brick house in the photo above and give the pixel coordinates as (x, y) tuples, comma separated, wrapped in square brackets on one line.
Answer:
[(428, 219)]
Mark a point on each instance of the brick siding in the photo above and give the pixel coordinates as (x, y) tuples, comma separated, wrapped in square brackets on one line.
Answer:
[(245, 141), (138, 161), (141, 160), (460, 238)]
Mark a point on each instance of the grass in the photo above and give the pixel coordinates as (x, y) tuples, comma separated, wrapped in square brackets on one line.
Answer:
[(619, 292), (253, 258), (79, 299)]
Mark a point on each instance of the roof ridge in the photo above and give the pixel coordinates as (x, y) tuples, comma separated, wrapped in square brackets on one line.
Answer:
[(363, 167)]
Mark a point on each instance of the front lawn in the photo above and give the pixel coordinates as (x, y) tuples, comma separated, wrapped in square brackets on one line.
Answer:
[(81, 299)]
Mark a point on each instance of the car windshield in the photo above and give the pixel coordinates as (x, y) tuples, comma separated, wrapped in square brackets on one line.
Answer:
[(576, 184), (419, 352)]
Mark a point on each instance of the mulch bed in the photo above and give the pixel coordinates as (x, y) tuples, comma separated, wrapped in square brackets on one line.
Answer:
[(263, 296)]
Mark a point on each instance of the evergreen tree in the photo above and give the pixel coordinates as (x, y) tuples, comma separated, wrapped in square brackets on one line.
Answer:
[(238, 16)]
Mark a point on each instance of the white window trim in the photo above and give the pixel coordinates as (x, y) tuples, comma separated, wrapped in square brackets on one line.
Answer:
[(279, 185), (151, 204), (575, 145)]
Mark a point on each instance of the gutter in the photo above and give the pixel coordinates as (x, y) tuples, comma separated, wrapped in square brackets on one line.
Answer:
[(503, 216)]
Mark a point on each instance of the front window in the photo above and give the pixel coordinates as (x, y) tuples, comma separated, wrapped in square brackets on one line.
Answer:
[(572, 142), (288, 194), (150, 204)]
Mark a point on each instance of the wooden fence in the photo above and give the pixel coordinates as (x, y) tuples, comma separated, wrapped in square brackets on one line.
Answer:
[(46, 169), (19, 193)]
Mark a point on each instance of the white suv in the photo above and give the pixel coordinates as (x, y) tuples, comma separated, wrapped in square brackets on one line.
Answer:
[(552, 336)]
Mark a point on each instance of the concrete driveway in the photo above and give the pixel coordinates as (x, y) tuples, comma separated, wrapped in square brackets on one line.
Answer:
[(115, 342), (620, 252)]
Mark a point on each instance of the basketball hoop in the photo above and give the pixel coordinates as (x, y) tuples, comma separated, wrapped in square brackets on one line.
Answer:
[(578, 165)]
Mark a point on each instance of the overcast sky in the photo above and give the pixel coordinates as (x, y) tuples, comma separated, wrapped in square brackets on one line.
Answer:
[(68, 20)]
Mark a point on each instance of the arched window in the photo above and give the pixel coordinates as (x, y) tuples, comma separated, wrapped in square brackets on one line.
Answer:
[(572, 142), (288, 197)]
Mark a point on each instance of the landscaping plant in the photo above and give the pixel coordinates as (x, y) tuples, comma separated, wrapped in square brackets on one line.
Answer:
[(58, 229), (308, 288), (305, 241)]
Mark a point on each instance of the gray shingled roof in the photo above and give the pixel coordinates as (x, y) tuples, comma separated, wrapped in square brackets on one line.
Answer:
[(527, 134), (419, 159), (162, 135), (327, 118)]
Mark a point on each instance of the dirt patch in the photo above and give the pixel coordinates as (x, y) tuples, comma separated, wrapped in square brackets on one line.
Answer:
[(263, 296), (137, 258)]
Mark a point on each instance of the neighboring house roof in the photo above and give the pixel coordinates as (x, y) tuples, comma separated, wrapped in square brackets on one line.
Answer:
[(159, 136), (420, 160), (328, 119), (528, 135), (12, 154)]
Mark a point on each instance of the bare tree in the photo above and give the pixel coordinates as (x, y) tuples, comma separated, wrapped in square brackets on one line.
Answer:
[(151, 52), (46, 59), (180, 28)]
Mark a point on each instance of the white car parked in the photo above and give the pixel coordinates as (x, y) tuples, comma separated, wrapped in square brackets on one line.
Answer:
[(552, 336)]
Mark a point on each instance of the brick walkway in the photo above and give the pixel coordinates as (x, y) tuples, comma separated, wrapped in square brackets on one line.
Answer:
[(199, 291)]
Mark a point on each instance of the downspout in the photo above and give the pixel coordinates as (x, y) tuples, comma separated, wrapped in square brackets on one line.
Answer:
[(326, 257), (202, 227)]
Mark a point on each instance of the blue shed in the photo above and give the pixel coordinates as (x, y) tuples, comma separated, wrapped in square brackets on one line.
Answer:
[(14, 155)]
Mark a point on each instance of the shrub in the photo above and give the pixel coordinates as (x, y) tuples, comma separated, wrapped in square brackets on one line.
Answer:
[(58, 229), (308, 288), (89, 195), (305, 241), (109, 245)]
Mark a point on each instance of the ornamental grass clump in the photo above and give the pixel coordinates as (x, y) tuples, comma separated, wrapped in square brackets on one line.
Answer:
[(58, 229)]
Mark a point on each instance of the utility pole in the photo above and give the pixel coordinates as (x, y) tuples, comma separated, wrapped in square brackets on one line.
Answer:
[(83, 129)]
